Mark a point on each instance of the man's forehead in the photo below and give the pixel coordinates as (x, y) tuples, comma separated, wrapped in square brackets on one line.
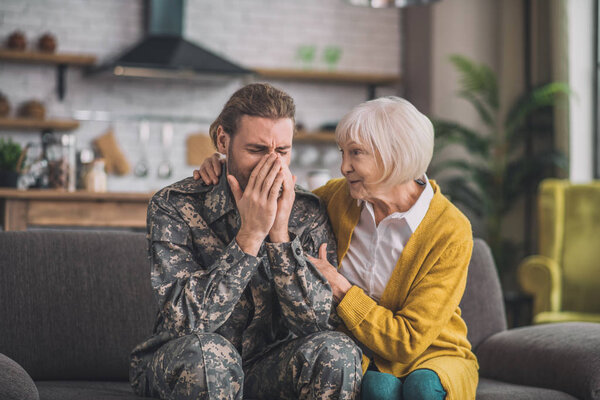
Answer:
[(266, 132)]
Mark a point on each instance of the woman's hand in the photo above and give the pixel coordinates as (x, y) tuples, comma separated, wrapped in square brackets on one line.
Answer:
[(339, 284), (211, 169)]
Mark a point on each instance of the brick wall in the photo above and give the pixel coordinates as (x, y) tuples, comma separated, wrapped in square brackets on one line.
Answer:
[(253, 33)]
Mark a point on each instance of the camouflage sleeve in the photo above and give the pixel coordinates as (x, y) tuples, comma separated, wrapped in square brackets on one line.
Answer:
[(304, 294), (192, 297)]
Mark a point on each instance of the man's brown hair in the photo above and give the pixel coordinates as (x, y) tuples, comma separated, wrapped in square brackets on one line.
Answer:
[(255, 100)]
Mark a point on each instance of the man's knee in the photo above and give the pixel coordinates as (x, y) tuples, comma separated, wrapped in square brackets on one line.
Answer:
[(334, 362), (336, 349), (196, 366)]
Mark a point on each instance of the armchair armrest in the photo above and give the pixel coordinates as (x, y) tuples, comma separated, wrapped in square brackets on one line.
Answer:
[(15, 382), (564, 356), (540, 276)]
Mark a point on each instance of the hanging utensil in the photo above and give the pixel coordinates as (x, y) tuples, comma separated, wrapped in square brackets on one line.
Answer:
[(141, 167), (165, 169)]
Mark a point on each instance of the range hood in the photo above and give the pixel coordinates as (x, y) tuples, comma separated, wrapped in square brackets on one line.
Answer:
[(165, 53)]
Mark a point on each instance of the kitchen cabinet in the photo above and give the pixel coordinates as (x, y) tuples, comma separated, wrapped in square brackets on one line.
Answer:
[(21, 209)]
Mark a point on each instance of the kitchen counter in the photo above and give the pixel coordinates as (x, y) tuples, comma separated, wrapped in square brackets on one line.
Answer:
[(20, 209)]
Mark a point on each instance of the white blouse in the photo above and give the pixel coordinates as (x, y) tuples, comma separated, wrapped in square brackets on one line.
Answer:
[(375, 249)]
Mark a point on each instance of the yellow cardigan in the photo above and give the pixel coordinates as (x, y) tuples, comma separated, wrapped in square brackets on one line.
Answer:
[(418, 322)]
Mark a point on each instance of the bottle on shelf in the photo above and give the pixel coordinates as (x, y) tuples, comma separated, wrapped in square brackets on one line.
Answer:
[(96, 178)]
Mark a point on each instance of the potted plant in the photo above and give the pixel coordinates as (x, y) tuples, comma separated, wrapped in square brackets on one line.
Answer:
[(10, 159), (498, 170)]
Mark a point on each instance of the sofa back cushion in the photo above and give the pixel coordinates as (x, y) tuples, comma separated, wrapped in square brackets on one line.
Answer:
[(73, 304), (482, 304)]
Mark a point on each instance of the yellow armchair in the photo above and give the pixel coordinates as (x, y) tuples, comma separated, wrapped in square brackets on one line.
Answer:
[(564, 278)]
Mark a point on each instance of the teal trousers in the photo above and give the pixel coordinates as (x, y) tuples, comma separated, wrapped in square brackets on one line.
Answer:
[(421, 384)]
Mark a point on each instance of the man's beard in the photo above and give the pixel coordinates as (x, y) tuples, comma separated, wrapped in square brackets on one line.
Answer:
[(232, 169)]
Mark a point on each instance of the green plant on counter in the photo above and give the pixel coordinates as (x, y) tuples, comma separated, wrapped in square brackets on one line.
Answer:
[(9, 155), (497, 172)]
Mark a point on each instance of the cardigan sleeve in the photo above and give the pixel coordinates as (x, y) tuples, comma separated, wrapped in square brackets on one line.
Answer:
[(404, 335)]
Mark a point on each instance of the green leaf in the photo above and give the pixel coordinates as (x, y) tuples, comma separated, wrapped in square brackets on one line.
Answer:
[(454, 133), (529, 171), (480, 174), (477, 79), (541, 130), (542, 96), (459, 191), (481, 109), (9, 154)]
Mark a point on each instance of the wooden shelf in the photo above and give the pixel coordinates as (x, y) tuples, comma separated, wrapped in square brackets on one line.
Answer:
[(38, 57), (60, 60), (38, 124), (314, 137), (328, 76), (56, 194)]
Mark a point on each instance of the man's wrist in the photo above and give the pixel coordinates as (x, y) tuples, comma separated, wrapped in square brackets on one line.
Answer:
[(279, 237), (248, 243)]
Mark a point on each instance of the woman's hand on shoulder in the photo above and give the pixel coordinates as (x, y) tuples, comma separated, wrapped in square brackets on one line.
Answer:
[(339, 284), (211, 169)]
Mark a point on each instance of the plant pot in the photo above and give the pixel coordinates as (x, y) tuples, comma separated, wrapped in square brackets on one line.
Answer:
[(9, 179)]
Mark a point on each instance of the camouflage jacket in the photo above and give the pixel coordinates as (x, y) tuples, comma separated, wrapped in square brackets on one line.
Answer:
[(204, 282)]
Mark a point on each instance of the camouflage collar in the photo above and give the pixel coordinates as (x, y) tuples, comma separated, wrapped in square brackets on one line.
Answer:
[(217, 199)]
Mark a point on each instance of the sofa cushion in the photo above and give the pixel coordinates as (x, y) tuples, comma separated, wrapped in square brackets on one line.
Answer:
[(563, 357), (482, 305), (496, 390), (15, 383), (73, 304), (80, 390)]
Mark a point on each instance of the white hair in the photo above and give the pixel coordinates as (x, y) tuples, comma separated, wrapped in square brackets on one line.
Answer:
[(400, 136)]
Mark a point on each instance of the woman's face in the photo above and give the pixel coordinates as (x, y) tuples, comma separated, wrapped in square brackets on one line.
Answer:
[(360, 167)]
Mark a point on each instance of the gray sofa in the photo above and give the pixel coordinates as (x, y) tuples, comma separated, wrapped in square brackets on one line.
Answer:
[(73, 305)]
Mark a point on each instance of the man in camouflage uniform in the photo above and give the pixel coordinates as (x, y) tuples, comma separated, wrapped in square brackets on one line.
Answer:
[(242, 312)]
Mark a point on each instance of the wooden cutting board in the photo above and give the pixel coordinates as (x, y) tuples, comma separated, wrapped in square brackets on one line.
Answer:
[(198, 147)]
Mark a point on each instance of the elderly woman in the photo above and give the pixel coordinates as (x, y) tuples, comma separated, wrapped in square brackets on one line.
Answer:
[(403, 252)]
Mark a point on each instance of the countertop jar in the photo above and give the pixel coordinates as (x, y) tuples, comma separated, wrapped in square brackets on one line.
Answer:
[(96, 178)]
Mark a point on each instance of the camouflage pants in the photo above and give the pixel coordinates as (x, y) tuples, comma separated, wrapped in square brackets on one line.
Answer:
[(200, 366), (323, 365)]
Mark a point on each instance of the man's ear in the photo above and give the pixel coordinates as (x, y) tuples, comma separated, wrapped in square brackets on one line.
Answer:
[(223, 140)]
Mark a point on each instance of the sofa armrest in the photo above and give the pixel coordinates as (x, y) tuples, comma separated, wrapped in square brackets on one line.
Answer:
[(540, 276), (15, 382), (564, 356)]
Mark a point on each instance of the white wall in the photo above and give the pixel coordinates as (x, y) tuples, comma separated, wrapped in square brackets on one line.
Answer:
[(581, 74), (263, 33), (472, 28), (465, 27)]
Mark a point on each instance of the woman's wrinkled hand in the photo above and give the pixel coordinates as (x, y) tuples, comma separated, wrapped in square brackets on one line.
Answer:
[(339, 284), (211, 169)]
